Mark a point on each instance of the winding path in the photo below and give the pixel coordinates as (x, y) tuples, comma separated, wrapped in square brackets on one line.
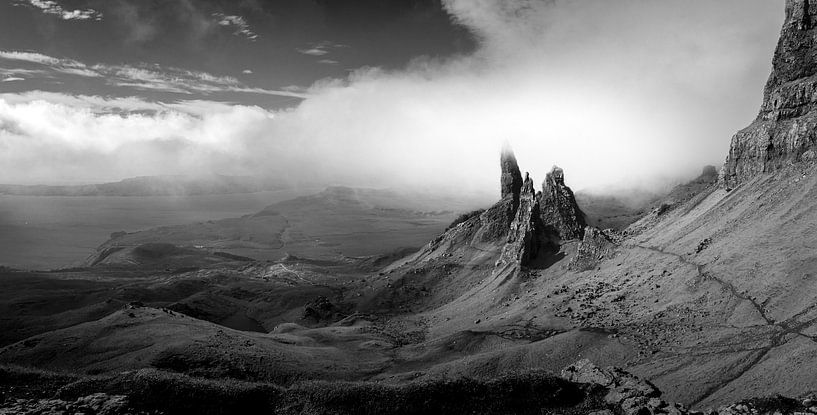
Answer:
[(777, 339)]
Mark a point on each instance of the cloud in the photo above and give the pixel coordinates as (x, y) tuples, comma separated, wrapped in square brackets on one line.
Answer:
[(93, 104), (20, 74), (146, 77), (605, 89), (246, 72), (240, 25), (52, 7), (12, 79), (94, 138), (317, 51), (321, 48), (67, 66), (328, 62), (182, 81), (30, 57)]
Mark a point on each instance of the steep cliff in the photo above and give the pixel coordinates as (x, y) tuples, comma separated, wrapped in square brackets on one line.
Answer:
[(784, 130)]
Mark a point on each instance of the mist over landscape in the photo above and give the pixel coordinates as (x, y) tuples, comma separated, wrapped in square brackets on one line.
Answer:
[(591, 86)]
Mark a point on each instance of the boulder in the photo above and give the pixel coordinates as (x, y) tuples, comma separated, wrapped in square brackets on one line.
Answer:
[(595, 246), (633, 395)]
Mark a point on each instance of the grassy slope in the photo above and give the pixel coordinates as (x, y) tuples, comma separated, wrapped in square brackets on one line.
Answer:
[(761, 252)]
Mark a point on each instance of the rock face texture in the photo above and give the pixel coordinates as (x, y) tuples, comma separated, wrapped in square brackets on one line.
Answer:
[(524, 224), (540, 220), (785, 130), (523, 241), (559, 210), (491, 250)]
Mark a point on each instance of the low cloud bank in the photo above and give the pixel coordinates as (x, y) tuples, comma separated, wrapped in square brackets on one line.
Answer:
[(632, 92)]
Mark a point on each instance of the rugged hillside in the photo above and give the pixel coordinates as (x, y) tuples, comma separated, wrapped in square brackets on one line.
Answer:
[(711, 297), (153, 186), (695, 301), (755, 243), (785, 130), (524, 230)]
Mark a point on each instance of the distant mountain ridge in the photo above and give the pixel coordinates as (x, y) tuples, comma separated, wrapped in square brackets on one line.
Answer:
[(177, 185)]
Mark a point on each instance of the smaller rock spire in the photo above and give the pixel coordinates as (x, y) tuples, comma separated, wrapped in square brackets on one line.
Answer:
[(558, 206)]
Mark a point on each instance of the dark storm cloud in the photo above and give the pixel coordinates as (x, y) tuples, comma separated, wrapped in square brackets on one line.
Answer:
[(266, 37)]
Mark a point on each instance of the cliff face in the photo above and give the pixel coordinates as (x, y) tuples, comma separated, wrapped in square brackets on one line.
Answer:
[(785, 129)]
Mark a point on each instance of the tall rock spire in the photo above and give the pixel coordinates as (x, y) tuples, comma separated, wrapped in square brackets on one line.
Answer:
[(511, 181), (785, 130)]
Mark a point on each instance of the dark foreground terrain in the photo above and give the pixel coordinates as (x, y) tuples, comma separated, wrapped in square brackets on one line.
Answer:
[(582, 389)]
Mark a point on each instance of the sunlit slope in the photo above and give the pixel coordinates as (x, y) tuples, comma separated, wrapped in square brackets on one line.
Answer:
[(711, 297), (757, 242)]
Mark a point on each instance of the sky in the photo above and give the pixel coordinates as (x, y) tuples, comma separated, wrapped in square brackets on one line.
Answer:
[(379, 93)]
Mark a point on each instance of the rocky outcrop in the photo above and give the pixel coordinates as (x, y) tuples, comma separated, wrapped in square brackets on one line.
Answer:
[(594, 248), (510, 234), (785, 130), (321, 309), (540, 220), (511, 180), (624, 390), (559, 209), (630, 395)]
